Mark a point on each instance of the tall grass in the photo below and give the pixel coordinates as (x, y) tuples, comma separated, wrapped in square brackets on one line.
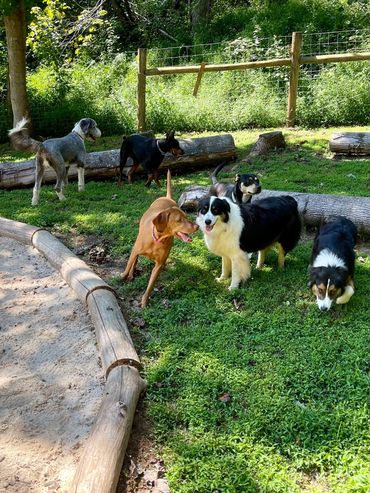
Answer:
[(338, 95)]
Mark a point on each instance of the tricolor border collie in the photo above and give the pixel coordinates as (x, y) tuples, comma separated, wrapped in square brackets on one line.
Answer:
[(242, 191), (232, 231), (333, 262)]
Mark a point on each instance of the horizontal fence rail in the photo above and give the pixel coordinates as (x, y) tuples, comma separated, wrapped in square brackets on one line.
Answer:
[(297, 50)]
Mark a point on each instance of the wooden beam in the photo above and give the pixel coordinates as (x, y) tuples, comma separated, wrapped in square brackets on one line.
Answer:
[(141, 90), (340, 57), (199, 79), (294, 76), (194, 69)]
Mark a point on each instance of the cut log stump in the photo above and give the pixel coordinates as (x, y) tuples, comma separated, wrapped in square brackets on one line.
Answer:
[(199, 153), (266, 143), (350, 143), (314, 208)]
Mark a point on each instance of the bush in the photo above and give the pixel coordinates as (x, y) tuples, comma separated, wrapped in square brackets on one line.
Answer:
[(339, 96)]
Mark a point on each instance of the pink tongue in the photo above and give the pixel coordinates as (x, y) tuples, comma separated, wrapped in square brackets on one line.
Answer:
[(209, 228), (184, 237)]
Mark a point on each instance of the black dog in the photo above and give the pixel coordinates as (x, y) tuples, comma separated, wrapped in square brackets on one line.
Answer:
[(333, 262), (241, 192), (232, 231), (147, 152)]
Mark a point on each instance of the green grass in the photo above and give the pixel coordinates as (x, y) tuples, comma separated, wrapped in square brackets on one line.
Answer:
[(250, 391)]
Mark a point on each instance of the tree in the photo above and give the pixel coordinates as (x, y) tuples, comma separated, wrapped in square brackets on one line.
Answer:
[(15, 30)]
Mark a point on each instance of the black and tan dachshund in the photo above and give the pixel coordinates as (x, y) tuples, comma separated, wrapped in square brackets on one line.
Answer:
[(147, 152)]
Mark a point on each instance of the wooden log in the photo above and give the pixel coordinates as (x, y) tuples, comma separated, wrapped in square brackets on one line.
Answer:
[(103, 453), (114, 339), (266, 143), (199, 152), (350, 143), (17, 231), (314, 208), (73, 270)]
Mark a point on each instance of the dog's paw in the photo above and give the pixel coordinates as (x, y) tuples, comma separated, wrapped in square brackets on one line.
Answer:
[(221, 278), (233, 286)]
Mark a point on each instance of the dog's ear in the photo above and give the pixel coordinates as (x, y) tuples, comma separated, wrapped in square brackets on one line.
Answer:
[(161, 220), (312, 272), (85, 124), (170, 135), (237, 178)]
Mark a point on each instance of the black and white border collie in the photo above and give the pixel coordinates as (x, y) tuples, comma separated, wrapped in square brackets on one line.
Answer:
[(333, 262), (232, 231)]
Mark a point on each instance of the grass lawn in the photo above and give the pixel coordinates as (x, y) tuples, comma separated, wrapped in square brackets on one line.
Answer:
[(250, 391)]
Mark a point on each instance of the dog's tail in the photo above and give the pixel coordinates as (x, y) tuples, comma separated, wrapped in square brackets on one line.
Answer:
[(216, 172), (169, 184), (21, 140)]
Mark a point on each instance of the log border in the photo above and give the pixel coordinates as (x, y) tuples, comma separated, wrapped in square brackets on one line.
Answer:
[(103, 453)]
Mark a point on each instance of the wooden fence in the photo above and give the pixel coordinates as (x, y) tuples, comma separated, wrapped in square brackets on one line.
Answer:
[(294, 62)]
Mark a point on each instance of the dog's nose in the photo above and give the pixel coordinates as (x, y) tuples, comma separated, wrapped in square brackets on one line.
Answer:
[(324, 308), (208, 222)]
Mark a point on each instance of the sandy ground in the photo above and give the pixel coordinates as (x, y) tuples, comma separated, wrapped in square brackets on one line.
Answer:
[(51, 382)]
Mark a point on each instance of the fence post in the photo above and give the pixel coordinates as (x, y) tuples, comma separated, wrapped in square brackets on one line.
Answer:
[(295, 53), (141, 88)]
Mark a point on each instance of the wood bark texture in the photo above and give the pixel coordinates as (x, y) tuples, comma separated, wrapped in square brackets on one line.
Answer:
[(101, 462), (350, 143), (114, 339), (199, 152), (266, 143)]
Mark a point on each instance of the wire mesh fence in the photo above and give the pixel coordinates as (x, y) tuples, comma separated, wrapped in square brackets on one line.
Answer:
[(107, 92)]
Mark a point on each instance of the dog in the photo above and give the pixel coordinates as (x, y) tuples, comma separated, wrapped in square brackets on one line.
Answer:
[(58, 153), (159, 225), (232, 231), (241, 192), (147, 152), (333, 262)]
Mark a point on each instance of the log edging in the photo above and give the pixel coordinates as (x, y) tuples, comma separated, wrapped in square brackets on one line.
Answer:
[(103, 453)]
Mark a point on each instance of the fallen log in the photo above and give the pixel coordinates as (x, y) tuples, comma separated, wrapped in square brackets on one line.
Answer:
[(350, 143), (314, 208), (199, 152)]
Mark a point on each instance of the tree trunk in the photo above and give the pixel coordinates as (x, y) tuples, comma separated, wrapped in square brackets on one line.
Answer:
[(15, 27), (200, 12), (314, 208)]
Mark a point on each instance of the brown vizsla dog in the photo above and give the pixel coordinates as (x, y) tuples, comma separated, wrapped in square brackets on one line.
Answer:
[(163, 221)]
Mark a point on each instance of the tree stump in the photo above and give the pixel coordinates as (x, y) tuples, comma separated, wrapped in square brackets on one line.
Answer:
[(266, 143)]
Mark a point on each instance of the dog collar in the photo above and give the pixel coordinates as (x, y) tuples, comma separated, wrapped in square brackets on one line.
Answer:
[(160, 150), (74, 131), (157, 240)]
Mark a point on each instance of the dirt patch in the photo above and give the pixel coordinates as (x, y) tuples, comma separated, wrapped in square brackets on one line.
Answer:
[(50, 378)]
